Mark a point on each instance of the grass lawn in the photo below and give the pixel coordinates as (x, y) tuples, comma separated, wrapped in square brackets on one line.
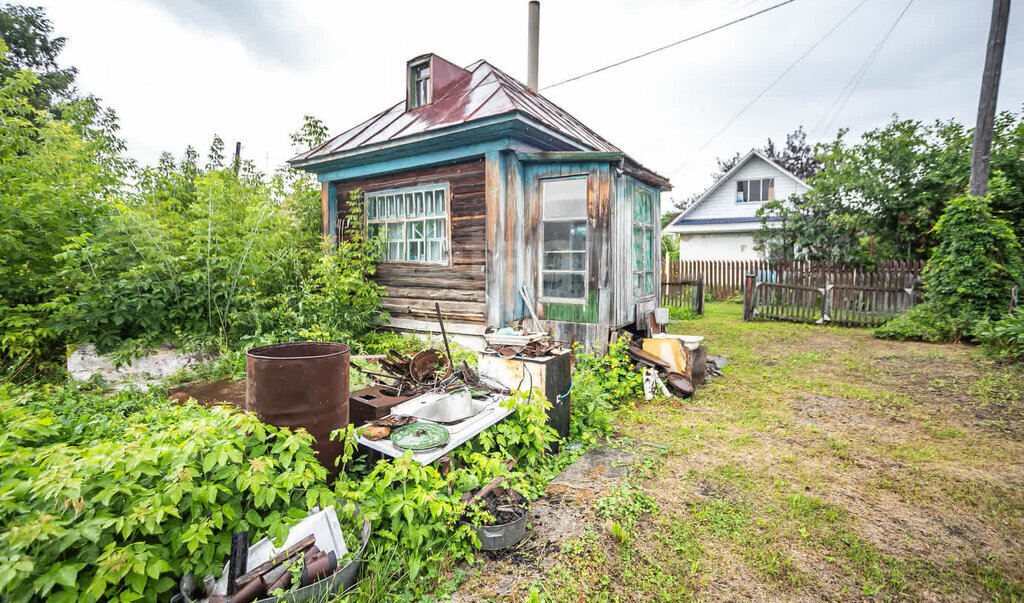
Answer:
[(825, 464)]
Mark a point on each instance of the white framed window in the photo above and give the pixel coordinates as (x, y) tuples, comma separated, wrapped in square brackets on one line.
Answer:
[(419, 84), (755, 191), (413, 223), (644, 215), (564, 239)]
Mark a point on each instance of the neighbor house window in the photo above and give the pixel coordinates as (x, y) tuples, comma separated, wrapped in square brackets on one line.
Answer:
[(413, 223), (564, 245), (643, 242), (419, 84), (762, 189)]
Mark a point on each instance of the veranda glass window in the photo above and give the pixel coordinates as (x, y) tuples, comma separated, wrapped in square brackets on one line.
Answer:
[(644, 215), (412, 222), (564, 244)]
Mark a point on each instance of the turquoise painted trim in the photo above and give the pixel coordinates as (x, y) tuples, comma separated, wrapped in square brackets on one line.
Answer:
[(416, 161), (332, 210), (562, 156)]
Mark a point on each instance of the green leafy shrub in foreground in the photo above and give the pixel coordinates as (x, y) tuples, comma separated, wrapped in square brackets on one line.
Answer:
[(1004, 338), (120, 517), (925, 322)]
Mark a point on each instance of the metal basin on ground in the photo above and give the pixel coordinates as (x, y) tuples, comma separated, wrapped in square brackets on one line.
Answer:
[(502, 536)]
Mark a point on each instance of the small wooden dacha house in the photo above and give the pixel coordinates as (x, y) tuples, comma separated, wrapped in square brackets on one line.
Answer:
[(481, 188)]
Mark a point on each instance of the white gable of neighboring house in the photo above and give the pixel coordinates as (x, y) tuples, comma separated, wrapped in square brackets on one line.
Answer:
[(718, 225)]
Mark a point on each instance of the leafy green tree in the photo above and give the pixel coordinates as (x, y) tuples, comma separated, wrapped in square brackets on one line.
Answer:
[(32, 47), (879, 198), (59, 178), (976, 262)]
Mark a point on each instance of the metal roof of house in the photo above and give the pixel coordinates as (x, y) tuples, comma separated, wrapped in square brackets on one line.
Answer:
[(485, 91)]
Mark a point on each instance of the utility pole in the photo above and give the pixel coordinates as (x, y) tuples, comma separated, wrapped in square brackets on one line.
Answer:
[(982, 148)]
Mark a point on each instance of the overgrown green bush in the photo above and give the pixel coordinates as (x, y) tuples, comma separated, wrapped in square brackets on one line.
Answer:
[(602, 384), (1004, 338), (978, 259), (968, 277), (147, 492), (924, 322)]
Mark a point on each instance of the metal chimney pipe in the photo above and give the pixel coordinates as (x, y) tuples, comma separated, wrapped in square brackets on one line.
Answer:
[(532, 57)]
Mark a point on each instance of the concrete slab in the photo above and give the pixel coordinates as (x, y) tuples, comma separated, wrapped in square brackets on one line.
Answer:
[(84, 362)]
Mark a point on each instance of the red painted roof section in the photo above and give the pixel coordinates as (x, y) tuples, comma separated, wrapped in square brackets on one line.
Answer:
[(484, 91)]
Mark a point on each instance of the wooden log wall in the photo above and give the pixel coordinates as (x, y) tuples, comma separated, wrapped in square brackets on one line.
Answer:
[(412, 287)]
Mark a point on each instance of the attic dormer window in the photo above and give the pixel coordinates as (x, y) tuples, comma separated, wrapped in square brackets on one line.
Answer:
[(419, 84)]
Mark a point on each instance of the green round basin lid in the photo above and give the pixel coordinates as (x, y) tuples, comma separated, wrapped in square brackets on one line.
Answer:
[(419, 436)]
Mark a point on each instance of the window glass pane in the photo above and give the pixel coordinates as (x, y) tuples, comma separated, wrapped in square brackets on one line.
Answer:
[(649, 249), (565, 236), (414, 240), (771, 190), (754, 191), (428, 203), (568, 285), (739, 191), (371, 208), (439, 208), (565, 198), (649, 283), (638, 249), (396, 242), (765, 185)]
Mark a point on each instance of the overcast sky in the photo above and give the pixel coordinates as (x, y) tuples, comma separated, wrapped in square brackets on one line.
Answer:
[(178, 71)]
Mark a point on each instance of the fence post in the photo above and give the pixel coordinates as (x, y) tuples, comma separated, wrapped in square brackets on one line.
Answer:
[(748, 296), (700, 294)]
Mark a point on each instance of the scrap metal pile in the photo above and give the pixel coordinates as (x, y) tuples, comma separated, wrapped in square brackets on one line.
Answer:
[(672, 365)]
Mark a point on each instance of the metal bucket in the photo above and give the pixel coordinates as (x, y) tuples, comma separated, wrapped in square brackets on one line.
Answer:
[(502, 536), (301, 384)]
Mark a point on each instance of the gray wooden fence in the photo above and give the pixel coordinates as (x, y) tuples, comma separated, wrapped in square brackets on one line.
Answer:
[(832, 293), (679, 290)]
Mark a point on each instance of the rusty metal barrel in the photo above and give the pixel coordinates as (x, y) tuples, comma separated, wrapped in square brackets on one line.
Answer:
[(301, 384)]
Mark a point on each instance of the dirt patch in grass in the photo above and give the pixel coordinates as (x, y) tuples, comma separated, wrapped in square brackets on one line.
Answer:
[(825, 464)]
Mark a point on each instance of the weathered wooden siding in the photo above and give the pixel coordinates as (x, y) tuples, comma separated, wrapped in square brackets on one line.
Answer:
[(505, 238), (413, 288), (589, 321)]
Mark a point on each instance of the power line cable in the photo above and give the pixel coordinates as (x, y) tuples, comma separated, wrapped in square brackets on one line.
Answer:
[(667, 46), (773, 82), (851, 86)]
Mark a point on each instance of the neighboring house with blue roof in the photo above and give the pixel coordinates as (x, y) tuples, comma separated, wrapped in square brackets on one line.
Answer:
[(720, 225)]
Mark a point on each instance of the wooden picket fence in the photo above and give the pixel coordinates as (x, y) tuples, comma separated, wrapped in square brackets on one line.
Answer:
[(822, 293), (722, 279), (682, 291)]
